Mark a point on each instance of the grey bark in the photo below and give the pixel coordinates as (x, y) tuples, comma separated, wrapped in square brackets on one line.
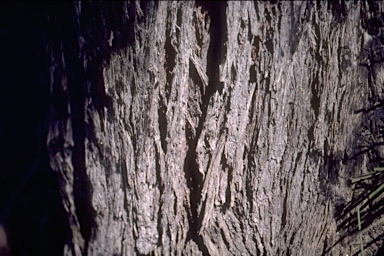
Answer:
[(228, 128)]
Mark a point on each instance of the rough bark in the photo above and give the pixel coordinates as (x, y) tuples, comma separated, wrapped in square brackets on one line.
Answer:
[(213, 128)]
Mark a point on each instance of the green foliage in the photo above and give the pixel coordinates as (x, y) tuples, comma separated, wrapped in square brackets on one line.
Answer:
[(360, 233), (376, 171), (370, 197)]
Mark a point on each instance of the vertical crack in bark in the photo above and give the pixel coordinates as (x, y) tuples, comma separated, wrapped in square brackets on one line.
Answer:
[(339, 60), (216, 54), (262, 244), (131, 119), (267, 100), (338, 120), (161, 192), (315, 100), (162, 112), (311, 137), (227, 245), (127, 203), (82, 186), (124, 183), (285, 210), (228, 168), (294, 31), (194, 182), (217, 49), (269, 34), (170, 56), (252, 75)]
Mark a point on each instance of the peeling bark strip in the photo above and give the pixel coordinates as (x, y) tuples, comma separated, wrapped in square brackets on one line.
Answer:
[(220, 128)]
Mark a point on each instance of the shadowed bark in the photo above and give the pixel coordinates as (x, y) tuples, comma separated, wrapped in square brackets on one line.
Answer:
[(213, 128)]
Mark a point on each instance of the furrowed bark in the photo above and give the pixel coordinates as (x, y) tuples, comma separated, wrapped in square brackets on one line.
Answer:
[(212, 128)]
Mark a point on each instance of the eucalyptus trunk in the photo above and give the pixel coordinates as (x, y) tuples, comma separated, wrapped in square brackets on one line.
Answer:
[(212, 128)]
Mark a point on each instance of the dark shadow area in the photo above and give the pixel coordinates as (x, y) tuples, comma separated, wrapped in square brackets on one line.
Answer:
[(74, 41), (371, 204), (368, 146), (30, 202), (371, 212)]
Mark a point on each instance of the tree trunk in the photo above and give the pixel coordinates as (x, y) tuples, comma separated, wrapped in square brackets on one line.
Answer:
[(213, 128)]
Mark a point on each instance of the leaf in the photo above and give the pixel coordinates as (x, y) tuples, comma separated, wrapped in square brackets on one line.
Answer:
[(360, 233)]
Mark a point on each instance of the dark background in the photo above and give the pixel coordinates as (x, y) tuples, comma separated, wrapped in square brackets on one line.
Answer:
[(30, 204)]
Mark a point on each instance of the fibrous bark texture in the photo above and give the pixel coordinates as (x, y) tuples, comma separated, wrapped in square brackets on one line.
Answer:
[(210, 128)]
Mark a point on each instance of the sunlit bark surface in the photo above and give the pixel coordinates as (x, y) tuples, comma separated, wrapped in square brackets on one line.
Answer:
[(224, 128)]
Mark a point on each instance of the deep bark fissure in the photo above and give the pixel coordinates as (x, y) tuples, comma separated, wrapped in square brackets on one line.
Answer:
[(250, 178), (340, 108), (263, 246), (124, 183), (131, 121), (217, 49), (216, 54), (340, 61), (267, 94), (302, 183), (315, 101), (160, 184), (191, 170), (228, 194), (162, 113), (82, 185), (252, 75), (170, 57), (224, 237), (285, 210), (194, 180)]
